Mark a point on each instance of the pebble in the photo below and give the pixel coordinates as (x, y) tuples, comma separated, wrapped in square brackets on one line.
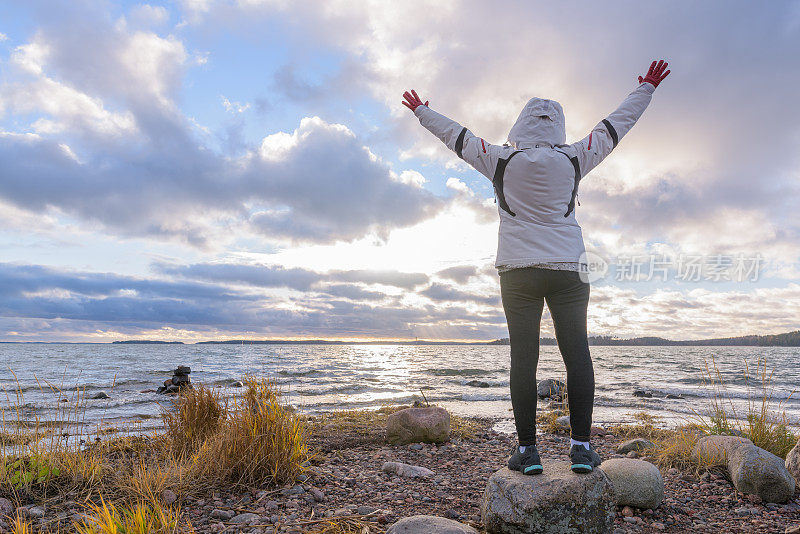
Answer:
[(168, 497), (36, 512), (245, 518), (6, 507), (222, 514), (627, 511)]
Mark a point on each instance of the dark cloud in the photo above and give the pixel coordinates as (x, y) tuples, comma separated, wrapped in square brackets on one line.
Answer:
[(295, 278), (44, 299), (443, 292), (459, 273), (353, 292), (254, 275), (383, 277)]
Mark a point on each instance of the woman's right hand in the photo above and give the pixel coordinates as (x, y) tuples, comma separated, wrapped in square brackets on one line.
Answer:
[(656, 73), (412, 100)]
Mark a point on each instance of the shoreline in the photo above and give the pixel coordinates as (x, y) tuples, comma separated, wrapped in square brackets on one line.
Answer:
[(345, 485)]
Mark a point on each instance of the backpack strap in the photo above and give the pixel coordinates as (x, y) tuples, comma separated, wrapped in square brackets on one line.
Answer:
[(497, 181), (577, 167)]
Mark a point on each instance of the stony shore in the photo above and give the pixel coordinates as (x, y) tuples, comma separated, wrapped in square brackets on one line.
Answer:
[(346, 483)]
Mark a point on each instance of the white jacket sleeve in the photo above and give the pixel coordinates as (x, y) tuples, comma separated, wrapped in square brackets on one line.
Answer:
[(593, 148), (474, 150)]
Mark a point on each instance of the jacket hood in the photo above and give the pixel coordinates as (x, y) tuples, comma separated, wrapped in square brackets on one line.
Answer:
[(541, 121)]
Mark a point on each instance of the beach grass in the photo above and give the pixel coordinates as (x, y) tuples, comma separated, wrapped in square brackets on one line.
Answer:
[(763, 421), (251, 440), (106, 518)]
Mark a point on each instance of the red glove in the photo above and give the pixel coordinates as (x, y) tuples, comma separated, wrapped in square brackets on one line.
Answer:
[(656, 73), (413, 101)]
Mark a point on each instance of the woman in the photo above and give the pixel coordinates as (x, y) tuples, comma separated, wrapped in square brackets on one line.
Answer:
[(540, 251)]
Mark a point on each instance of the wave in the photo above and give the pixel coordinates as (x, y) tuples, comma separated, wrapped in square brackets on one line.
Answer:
[(445, 371), (307, 372)]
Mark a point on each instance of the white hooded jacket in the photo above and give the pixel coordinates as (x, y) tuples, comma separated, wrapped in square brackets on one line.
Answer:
[(536, 178)]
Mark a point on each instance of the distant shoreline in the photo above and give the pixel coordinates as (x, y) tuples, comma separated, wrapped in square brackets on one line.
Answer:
[(789, 339)]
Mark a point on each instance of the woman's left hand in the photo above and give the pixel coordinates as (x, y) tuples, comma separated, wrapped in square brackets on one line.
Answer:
[(412, 100)]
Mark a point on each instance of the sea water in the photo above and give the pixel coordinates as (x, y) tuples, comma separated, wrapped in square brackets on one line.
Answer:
[(466, 379)]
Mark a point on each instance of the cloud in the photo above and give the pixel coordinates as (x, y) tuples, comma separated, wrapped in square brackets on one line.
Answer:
[(459, 273), (443, 292), (43, 298), (113, 150), (294, 278), (687, 164)]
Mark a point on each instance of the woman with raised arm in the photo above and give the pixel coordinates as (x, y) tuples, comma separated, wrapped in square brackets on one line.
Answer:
[(540, 250)]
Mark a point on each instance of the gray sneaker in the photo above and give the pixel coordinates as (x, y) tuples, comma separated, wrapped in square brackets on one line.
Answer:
[(583, 461), (527, 462)]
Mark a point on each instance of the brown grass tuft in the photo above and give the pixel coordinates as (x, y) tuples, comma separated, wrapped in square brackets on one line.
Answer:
[(259, 441), (105, 518), (197, 415)]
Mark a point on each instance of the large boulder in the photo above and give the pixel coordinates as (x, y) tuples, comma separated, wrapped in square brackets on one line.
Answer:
[(556, 502), (757, 471), (716, 450), (414, 425), (429, 524), (793, 461), (551, 388), (636, 482)]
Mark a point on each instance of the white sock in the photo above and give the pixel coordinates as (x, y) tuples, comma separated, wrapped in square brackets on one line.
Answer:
[(584, 443), (522, 448)]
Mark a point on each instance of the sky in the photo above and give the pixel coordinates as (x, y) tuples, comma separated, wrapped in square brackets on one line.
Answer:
[(214, 169)]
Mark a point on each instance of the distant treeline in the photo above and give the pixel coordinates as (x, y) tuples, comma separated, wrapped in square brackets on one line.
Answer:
[(332, 342), (789, 339), (147, 342)]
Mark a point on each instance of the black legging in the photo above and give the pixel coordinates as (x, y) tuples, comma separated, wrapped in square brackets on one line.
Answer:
[(523, 292)]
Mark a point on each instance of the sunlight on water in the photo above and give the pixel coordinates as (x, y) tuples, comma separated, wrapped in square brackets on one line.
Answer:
[(470, 380)]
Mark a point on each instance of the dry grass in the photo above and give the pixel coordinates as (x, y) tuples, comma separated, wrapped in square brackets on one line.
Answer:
[(20, 526), (250, 441), (258, 441), (354, 428), (764, 422), (105, 518), (547, 422), (197, 415)]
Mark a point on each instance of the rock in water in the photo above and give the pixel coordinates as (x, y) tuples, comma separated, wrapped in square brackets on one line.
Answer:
[(793, 461), (101, 395), (556, 502), (757, 471), (429, 524), (406, 470), (182, 370), (479, 384), (550, 387), (636, 482), (636, 444), (643, 393), (415, 425)]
